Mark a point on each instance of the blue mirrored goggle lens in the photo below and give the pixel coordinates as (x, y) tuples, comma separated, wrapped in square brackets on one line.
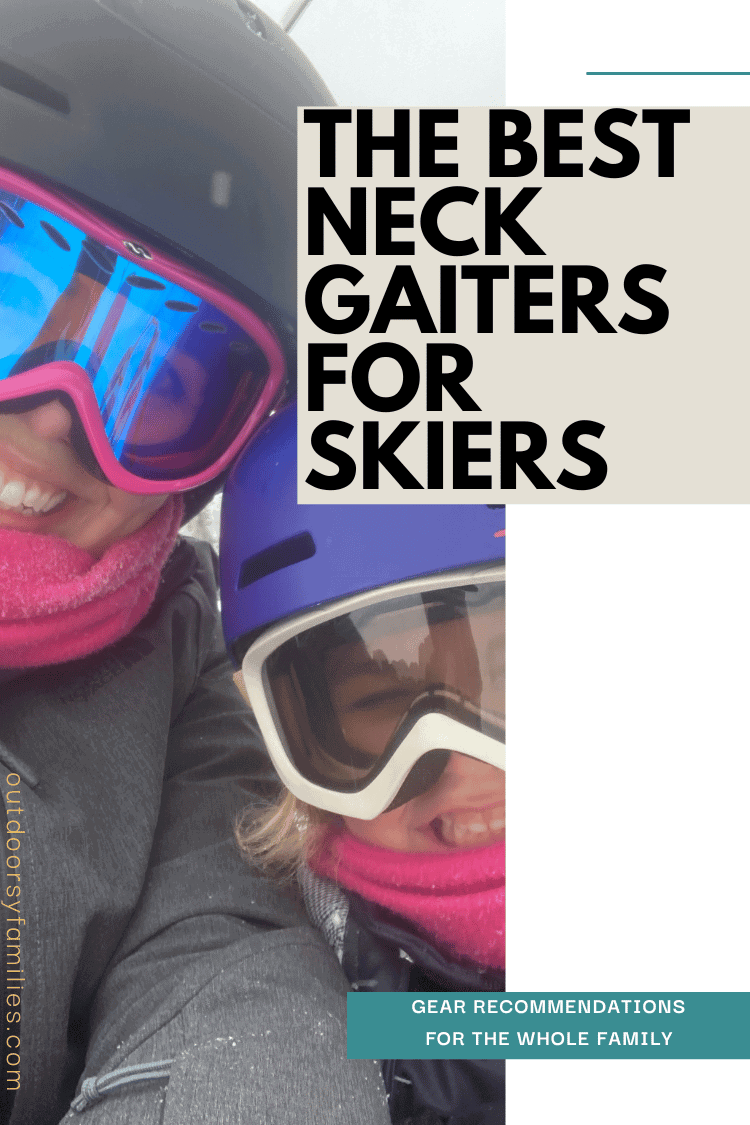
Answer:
[(175, 378)]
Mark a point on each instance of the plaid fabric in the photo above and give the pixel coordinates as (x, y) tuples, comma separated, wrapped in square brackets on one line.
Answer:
[(327, 907)]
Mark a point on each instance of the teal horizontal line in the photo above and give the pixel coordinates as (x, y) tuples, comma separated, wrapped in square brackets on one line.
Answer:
[(719, 73)]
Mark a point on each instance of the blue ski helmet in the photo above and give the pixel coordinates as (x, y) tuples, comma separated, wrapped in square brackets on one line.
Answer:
[(280, 558)]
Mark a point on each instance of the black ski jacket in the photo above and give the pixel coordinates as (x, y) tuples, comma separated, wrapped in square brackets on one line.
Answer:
[(379, 952)]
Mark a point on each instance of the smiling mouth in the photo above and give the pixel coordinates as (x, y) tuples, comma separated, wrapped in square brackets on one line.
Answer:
[(470, 828), (27, 497)]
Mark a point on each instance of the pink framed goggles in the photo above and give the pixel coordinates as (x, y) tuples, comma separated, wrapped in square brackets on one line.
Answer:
[(169, 375)]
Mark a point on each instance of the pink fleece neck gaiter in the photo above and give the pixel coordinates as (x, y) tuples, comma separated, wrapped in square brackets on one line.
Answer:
[(456, 898), (58, 603)]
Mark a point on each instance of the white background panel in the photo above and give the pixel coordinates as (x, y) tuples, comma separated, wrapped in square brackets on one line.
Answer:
[(628, 783), (551, 45)]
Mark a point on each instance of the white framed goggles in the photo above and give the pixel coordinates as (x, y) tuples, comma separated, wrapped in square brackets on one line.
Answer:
[(362, 701)]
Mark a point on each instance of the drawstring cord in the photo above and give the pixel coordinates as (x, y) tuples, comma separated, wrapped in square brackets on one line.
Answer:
[(94, 1089)]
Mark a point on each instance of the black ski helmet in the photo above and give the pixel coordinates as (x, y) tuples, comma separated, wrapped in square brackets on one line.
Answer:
[(178, 117)]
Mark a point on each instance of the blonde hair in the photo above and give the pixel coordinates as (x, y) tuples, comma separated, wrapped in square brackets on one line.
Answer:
[(279, 837), (282, 837)]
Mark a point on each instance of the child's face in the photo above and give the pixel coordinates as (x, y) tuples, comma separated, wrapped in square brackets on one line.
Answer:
[(464, 809), (374, 681), (372, 688)]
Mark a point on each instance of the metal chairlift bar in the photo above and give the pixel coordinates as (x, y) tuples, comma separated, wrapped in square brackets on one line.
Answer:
[(293, 13)]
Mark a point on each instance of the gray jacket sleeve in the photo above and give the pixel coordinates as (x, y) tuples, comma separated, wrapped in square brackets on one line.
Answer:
[(219, 971)]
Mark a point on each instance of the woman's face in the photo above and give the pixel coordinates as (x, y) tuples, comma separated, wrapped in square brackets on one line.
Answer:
[(46, 489)]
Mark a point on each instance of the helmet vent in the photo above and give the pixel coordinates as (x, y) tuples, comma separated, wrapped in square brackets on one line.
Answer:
[(251, 19), (277, 557), (19, 82)]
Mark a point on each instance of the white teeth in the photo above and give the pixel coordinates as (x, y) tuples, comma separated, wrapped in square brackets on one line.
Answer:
[(56, 499), (28, 500), (12, 493), (471, 827), (31, 497)]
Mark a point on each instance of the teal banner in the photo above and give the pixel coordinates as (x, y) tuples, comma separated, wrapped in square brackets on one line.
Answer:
[(544, 1025)]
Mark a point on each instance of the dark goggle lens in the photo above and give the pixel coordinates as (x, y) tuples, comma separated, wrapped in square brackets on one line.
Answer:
[(343, 689), (175, 377)]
